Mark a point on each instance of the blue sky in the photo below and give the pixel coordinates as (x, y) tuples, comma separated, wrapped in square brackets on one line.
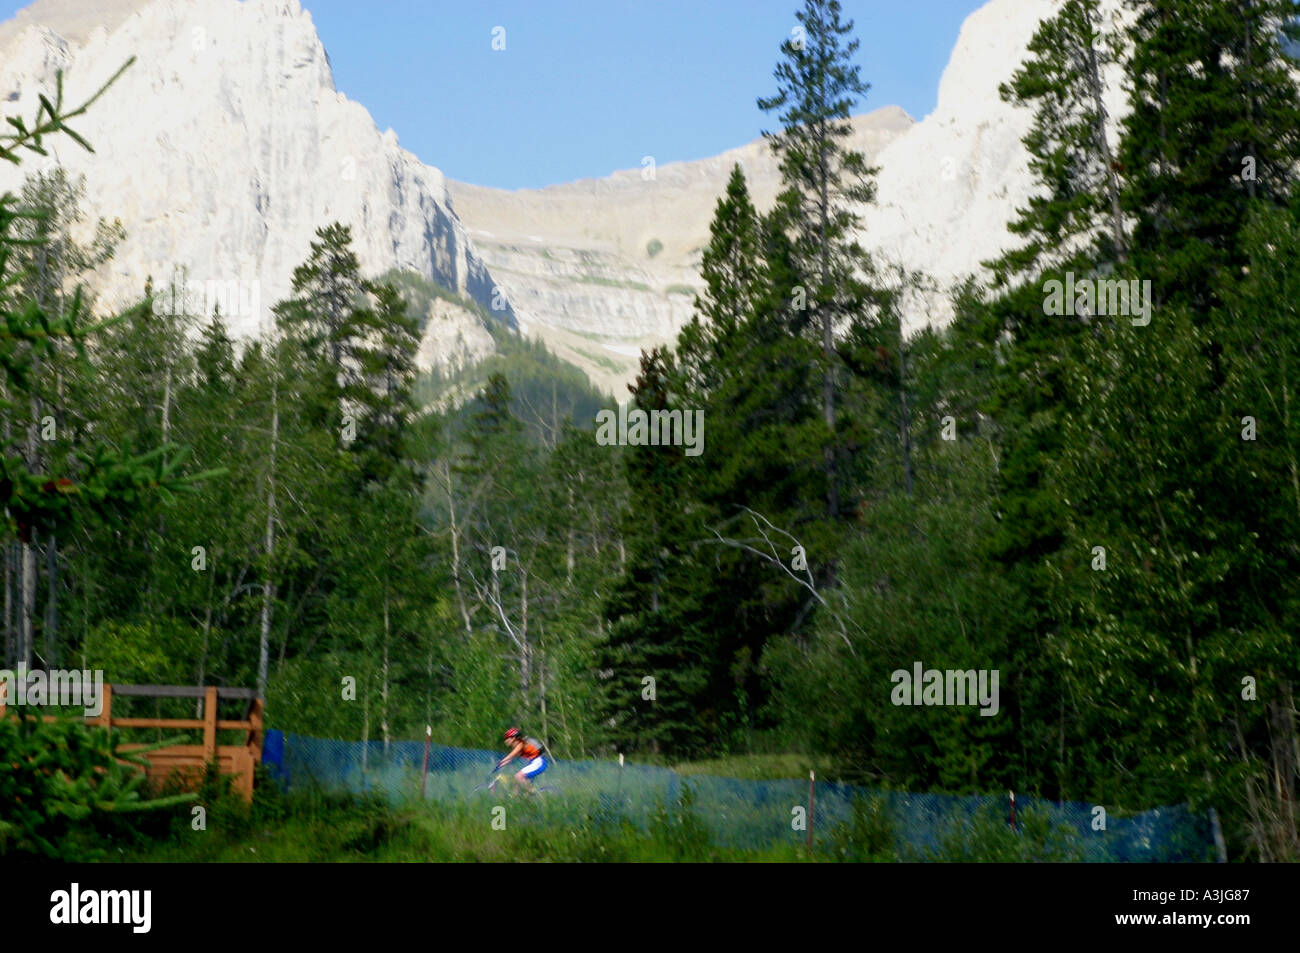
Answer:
[(585, 87)]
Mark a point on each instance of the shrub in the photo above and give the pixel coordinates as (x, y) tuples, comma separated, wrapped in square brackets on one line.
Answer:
[(65, 791), (679, 827), (868, 837), (988, 838)]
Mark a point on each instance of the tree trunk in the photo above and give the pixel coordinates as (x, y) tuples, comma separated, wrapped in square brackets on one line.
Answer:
[(167, 403), (904, 423), (365, 733), (1093, 70), (1292, 466), (428, 685), (828, 341), (555, 419), (207, 635), (455, 550), (27, 610), (525, 649), (1252, 149), (568, 550), (27, 604), (51, 633), (383, 688), (541, 684), (1258, 825), (268, 584), (564, 723), (11, 632)]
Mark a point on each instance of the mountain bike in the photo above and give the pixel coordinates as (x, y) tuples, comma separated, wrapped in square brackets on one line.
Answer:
[(503, 778)]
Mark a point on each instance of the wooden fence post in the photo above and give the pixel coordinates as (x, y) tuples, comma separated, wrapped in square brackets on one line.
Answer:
[(209, 724), (105, 717), (255, 725)]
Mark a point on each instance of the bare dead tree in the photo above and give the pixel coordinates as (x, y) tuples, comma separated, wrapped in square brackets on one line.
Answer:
[(766, 530)]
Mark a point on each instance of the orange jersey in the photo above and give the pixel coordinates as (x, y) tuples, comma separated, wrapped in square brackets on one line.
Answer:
[(530, 749)]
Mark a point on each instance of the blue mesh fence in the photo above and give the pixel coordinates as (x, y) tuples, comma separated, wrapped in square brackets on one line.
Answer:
[(737, 813)]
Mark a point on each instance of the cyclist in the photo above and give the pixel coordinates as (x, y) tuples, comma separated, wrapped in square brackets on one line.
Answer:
[(530, 750)]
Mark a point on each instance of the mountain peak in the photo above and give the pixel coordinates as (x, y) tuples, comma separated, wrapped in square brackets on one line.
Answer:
[(225, 146)]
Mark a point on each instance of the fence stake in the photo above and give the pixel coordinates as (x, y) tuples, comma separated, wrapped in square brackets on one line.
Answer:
[(1013, 809), (209, 724), (812, 803), (424, 774)]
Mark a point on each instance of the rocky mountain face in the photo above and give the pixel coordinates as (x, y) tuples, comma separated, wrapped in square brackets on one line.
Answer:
[(226, 145), (948, 187), (601, 268), (579, 261), (222, 150)]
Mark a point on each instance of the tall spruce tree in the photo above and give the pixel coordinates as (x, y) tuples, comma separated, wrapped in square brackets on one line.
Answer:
[(386, 384), (327, 320), (1077, 206), (1215, 125), (655, 629), (731, 268), (818, 85), (1074, 225)]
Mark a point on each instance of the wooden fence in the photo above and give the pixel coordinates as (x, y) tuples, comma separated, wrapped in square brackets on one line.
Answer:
[(186, 763)]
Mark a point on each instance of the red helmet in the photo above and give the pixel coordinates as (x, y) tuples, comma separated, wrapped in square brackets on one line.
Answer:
[(512, 733)]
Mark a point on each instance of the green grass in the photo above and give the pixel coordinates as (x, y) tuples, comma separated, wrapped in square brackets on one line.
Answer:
[(458, 824), (757, 767), (679, 290), (334, 828), (337, 829), (600, 360), (593, 336)]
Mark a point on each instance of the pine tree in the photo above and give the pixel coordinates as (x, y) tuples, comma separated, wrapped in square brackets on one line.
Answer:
[(731, 268), (100, 481), (328, 289), (1074, 223), (1215, 126), (386, 384), (655, 631), (1072, 157), (818, 86), (764, 457), (50, 265), (215, 359), (329, 321)]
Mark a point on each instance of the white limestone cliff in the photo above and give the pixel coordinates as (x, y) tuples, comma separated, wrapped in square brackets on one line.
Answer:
[(949, 185), (600, 268), (224, 147)]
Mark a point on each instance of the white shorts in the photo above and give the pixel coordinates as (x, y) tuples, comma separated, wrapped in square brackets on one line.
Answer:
[(534, 767)]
